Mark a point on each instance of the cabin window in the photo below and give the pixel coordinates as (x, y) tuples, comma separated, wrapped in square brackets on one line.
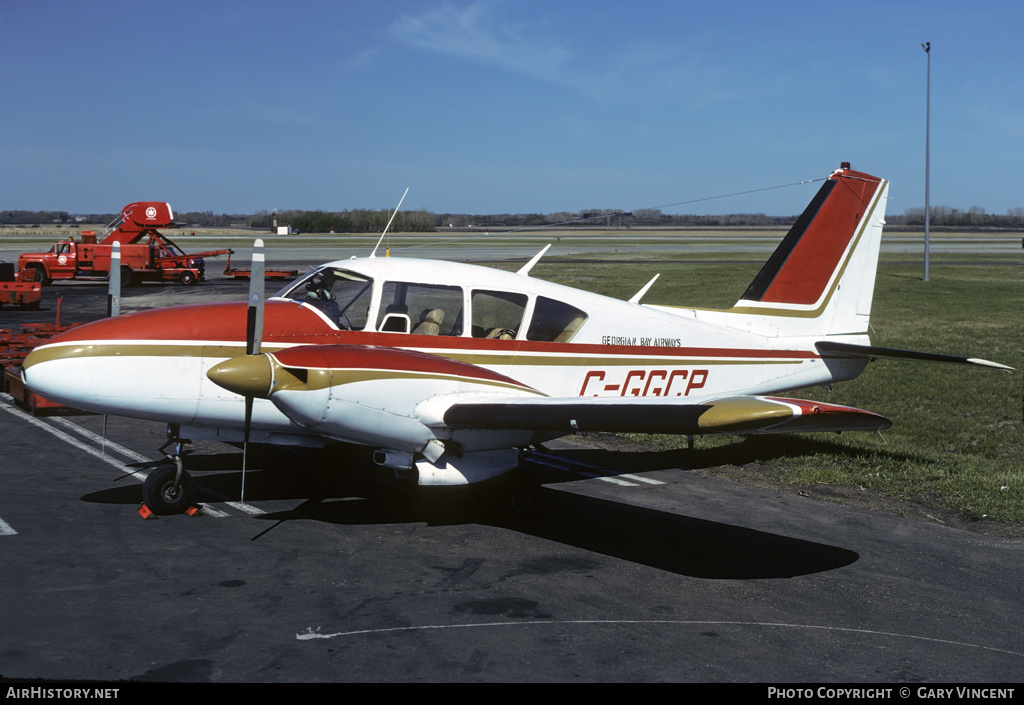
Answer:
[(344, 297), (420, 309), (497, 315), (555, 321)]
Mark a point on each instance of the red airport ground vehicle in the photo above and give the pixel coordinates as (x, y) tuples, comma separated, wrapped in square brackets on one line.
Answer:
[(16, 292), (15, 347), (239, 273), (146, 254)]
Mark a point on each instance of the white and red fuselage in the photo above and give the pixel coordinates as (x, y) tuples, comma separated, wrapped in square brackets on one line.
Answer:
[(405, 354)]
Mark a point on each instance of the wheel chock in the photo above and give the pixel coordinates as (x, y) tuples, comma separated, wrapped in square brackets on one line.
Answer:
[(194, 511), (145, 512)]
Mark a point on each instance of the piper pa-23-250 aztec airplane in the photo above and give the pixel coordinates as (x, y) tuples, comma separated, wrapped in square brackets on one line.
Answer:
[(447, 370)]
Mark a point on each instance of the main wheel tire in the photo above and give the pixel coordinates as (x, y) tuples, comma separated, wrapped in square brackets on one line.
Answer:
[(160, 494), (525, 498)]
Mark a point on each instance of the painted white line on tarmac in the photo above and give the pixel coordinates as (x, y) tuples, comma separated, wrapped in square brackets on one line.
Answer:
[(605, 478), (648, 480), (128, 453), (623, 479), (126, 469), (70, 440), (311, 634), (103, 442), (593, 472)]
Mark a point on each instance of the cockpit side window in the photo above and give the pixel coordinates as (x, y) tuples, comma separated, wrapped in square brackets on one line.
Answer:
[(420, 309), (497, 315), (554, 321), (344, 297)]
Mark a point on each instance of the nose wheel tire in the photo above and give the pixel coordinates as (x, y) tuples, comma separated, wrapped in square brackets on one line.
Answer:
[(165, 492)]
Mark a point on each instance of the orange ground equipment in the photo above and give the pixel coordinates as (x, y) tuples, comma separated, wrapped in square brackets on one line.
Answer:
[(146, 254)]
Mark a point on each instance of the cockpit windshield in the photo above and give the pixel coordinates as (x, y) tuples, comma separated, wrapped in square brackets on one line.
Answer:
[(344, 297)]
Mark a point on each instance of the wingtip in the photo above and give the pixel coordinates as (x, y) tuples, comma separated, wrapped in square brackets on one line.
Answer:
[(989, 363)]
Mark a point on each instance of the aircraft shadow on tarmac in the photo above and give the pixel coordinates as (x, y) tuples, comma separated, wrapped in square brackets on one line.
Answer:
[(667, 541), (742, 451)]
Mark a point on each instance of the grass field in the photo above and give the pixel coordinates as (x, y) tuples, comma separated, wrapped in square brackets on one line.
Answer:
[(956, 444)]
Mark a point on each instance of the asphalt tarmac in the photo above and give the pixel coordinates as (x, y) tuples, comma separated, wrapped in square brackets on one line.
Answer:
[(631, 568)]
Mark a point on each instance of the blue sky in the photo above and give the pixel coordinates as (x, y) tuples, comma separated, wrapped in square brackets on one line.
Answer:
[(489, 106)]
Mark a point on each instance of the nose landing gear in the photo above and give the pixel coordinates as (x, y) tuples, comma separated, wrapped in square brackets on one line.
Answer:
[(169, 489)]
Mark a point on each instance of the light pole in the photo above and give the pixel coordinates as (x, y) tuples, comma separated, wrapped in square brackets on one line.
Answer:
[(927, 46)]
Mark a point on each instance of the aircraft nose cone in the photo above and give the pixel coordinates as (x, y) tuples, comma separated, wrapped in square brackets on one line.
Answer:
[(247, 375), (38, 379)]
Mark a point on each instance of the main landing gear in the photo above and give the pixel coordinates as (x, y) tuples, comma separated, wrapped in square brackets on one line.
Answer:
[(516, 495), (168, 489), (524, 495)]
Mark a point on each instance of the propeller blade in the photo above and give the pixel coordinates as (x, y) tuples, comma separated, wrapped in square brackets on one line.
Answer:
[(253, 341), (114, 282), (254, 322)]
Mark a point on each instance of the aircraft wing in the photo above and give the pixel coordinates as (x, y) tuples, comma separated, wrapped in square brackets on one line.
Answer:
[(733, 415), (829, 348), (393, 398)]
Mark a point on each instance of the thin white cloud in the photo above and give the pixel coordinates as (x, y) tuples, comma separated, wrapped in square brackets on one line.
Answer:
[(483, 32), (477, 33)]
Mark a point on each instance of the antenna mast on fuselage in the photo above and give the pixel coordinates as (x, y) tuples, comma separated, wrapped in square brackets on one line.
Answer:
[(374, 253)]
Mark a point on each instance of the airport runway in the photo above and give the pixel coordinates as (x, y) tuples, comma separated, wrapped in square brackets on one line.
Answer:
[(633, 568), (674, 246), (521, 246)]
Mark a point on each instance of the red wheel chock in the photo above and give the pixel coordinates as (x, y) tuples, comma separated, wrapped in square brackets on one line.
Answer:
[(146, 513)]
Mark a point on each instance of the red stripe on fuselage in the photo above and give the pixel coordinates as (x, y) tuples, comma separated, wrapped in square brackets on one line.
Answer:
[(216, 322), (287, 323), (367, 357)]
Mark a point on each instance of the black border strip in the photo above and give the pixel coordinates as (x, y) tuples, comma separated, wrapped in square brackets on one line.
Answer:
[(771, 269)]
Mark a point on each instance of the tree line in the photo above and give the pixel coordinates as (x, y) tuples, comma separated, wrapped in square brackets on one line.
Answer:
[(347, 221), (374, 221), (974, 217)]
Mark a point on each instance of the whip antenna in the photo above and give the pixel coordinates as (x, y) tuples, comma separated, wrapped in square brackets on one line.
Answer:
[(374, 253)]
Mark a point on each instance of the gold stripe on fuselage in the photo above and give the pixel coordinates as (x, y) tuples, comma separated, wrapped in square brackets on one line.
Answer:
[(222, 351)]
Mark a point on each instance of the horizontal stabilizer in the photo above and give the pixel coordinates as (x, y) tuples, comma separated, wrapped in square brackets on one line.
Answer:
[(732, 415), (829, 348)]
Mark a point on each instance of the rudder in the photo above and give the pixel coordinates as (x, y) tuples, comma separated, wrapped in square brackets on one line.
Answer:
[(824, 268)]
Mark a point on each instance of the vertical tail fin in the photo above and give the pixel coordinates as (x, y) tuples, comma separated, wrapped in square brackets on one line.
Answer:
[(821, 278)]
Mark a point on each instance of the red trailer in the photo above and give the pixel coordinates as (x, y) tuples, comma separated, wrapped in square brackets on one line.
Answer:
[(14, 348), (267, 273)]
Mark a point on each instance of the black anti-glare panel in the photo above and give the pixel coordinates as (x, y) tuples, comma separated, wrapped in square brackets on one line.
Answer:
[(771, 268)]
